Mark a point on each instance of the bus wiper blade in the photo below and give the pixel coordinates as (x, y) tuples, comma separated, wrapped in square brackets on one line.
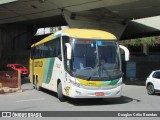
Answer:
[(92, 73), (81, 76)]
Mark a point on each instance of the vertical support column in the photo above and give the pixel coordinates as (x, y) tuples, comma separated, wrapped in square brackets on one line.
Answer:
[(145, 49)]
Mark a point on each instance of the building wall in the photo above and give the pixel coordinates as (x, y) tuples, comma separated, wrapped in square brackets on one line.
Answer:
[(16, 56), (14, 41), (144, 66)]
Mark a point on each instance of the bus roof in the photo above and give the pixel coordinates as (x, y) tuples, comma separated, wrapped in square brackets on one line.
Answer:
[(88, 33), (80, 33), (44, 40)]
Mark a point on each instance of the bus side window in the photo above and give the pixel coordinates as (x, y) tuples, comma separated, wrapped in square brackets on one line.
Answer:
[(58, 49), (36, 52), (65, 40)]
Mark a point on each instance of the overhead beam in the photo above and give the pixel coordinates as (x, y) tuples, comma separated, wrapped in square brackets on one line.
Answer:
[(6, 1), (96, 19), (142, 28)]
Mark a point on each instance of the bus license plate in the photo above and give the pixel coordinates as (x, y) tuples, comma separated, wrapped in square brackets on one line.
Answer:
[(99, 93)]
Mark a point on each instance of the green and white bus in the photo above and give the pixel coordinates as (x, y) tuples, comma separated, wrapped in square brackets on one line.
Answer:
[(78, 63)]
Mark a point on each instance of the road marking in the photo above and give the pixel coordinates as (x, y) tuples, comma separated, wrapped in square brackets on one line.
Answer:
[(30, 100)]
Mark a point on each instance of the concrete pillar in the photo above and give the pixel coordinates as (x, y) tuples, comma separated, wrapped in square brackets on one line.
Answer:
[(145, 49)]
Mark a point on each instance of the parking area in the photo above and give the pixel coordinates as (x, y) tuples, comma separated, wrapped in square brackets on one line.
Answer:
[(134, 98)]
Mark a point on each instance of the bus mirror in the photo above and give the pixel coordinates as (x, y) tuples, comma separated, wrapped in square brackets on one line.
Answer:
[(126, 51), (68, 51)]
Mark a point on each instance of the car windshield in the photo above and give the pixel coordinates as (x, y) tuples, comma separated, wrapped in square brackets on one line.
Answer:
[(19, 66), (95, 59)]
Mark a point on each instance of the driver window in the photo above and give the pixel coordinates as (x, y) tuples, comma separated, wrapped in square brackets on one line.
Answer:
[(67, 63)]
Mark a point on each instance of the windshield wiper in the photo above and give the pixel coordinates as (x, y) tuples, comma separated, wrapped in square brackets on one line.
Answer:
[(99, 68), (87, 68), (80, 76), (94, 71)]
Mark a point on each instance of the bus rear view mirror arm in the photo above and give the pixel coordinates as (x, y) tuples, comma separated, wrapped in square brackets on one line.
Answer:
[(68, 51), (126, 51)]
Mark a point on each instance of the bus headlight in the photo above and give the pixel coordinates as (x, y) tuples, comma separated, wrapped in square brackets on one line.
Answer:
[(76, 83)]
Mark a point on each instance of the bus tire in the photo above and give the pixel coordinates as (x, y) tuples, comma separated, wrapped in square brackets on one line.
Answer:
[(34, 82), (37, 86), (60, 95)]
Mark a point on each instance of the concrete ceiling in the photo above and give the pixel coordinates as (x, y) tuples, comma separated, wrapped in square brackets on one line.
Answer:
[(33, 10)]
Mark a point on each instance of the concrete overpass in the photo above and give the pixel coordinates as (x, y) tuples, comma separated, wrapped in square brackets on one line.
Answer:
[(19, 19)]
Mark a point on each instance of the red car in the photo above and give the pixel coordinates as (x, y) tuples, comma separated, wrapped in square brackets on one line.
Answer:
[(23, 70)]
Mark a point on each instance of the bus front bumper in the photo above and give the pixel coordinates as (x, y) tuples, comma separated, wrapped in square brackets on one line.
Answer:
[(77, 92)]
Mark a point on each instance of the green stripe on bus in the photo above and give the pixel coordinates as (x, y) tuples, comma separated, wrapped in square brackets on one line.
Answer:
[(113, 82), (49, 66), (48, 70)]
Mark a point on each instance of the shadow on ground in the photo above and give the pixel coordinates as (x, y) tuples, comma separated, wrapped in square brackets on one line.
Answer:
[(54, 94), (93, 102), (157, 94), (104, 101), (88, 102)]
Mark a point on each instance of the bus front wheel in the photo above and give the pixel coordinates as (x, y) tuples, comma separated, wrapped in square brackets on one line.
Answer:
[(60, 95)]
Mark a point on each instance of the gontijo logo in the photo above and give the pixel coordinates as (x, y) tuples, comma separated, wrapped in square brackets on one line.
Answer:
[(38, 64)]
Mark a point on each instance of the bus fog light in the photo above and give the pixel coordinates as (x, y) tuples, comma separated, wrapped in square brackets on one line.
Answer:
[(79, 93)]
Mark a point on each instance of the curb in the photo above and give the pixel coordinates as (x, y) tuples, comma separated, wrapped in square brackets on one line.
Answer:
[(5, 90)]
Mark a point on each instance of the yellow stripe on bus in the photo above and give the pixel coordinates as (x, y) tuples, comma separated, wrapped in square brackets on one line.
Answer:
[(89, 83), (88, 33)]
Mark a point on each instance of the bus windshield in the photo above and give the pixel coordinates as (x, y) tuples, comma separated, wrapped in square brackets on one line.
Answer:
[(95, 59)]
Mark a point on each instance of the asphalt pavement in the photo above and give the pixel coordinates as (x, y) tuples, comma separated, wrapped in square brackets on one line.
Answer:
[(134, 98)]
